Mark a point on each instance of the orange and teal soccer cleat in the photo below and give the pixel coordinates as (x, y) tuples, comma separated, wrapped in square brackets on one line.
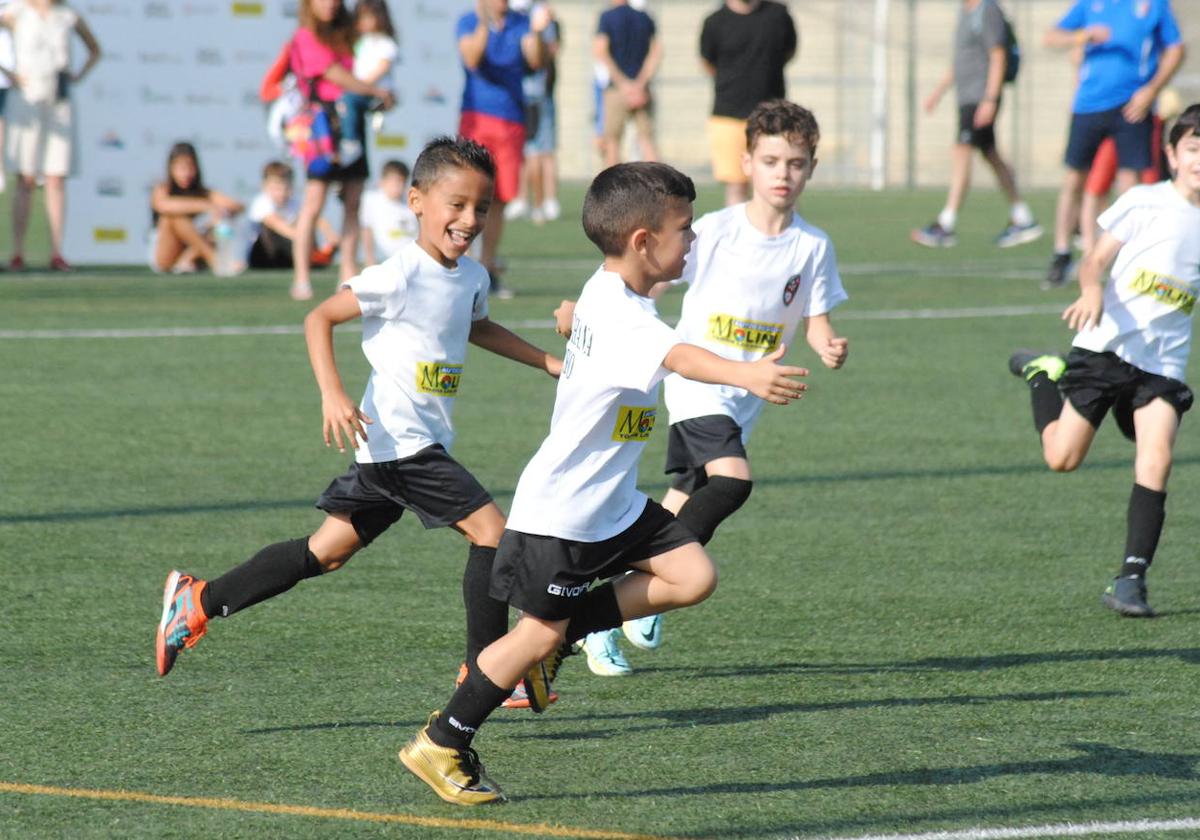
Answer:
[(183, 620), (456, 775)]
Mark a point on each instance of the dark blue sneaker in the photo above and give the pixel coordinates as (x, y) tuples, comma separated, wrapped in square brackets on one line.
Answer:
[(1127, 595)]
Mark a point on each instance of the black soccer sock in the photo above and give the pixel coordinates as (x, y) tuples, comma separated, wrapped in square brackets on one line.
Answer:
[(1147, 510), (712, 504), (472, 702), (487, 618), (275, 569), (597, 610), (1047, 401)]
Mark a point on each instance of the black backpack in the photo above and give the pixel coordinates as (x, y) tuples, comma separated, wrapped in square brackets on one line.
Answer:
[(1012, 50)]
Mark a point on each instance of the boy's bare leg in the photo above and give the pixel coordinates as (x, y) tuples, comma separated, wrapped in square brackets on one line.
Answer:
[(507, 660), (1090, 207), (1065, 442), (679, 578), (351, 201), (1156, 424)]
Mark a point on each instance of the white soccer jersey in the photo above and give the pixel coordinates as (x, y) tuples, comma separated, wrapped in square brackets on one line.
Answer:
[(262, 206), (747, 293), (582, 482), (391, 223), (1155, 279), (416, 317)]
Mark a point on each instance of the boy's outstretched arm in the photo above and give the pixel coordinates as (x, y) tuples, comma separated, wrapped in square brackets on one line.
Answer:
[(765, 378), (340, 414), (824, 341), (1086, 311), (502, 341)]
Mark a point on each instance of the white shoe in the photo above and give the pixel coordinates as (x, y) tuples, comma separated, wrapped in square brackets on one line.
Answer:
[(515, 209), (551, 209), (645, 633), (604, 658), (537, 216)]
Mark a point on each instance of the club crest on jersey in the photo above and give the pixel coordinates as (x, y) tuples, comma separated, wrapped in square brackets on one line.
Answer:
[(789, 291), (743, 333), (634, 423), (439, 378)]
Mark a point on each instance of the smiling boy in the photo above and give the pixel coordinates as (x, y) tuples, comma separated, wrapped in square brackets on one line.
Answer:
[(419, 311), (577, 515)]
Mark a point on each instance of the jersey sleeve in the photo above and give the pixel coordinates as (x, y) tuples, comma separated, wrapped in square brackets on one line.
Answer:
[(260, 208), (381, 289), (636, 360), (1168, 28), (825, 291), (708, 41), (1075, 18), (1123, 220), (466, 25), (479, 309)]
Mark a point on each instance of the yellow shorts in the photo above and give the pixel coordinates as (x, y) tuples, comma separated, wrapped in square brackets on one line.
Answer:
[(727, 139)]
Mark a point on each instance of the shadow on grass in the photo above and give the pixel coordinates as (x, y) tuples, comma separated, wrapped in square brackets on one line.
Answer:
[(783, 481), (1190, 656), (1093, 759), (691, 718)]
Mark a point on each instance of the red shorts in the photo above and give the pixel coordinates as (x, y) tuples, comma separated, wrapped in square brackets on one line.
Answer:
[(505, 140), (1104, 166)]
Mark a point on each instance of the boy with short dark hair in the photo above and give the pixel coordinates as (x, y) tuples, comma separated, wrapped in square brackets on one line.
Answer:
[(386, 219), (273, 214), (756, 272), (419, 311), (1131, 351), (577, 515)]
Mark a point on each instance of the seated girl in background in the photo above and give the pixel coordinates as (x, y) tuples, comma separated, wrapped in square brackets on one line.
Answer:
[(182, 245)]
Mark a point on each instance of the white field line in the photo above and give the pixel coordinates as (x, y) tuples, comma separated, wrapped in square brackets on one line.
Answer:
[(1088, 829), (534, 324)]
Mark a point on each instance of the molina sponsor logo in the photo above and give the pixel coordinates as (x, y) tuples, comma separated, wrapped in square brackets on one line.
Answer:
[(111, 140), (110, 235), (1167, 290), (242, 9), (744, 333), (440, 378), (634, 423), (209, 57), (110, 187)]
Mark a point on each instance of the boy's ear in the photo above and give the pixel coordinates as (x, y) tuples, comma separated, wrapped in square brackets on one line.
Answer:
[(638, 240), (746, 169), (415, 199)]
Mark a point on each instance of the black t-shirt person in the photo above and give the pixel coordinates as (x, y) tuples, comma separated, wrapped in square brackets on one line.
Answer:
[(749, 53)]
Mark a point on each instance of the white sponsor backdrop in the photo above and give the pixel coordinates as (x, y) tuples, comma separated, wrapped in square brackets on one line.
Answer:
[(189, 70)]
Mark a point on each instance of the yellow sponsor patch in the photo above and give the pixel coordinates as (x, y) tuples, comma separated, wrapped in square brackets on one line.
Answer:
[(109, 234), (744, 333), (634, 423), (247, 9), (1165, 289), (391, 141), (440, 378)]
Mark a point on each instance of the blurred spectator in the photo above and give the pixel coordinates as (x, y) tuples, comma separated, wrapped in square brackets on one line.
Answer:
[(183, 242), (375, 52), (7, 68), (272, 215), (627, 46), (538, 197), (322, 59), (40, 135), (744, 45), (498, 46), (1131, 51), (977, 74), (387, 221)]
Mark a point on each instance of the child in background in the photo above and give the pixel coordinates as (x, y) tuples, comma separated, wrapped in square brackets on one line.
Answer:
[(1131, 351), (577, 514), (757, 272), (419, 311), (273, 215), (182, 244), (387, 222), (374, 53)]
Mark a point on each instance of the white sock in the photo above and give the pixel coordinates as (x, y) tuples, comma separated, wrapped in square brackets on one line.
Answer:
[(1021, 214), (947, 218)]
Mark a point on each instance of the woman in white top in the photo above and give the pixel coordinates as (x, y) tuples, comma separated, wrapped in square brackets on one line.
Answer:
[(41, 132)]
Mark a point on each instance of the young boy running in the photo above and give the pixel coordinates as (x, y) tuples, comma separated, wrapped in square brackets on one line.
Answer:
[(419, 311), (756, 271), (1131, 350), (578, 515)]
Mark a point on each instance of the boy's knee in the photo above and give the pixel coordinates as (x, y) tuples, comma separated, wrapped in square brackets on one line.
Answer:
[(1062, 462), (699, 584)]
